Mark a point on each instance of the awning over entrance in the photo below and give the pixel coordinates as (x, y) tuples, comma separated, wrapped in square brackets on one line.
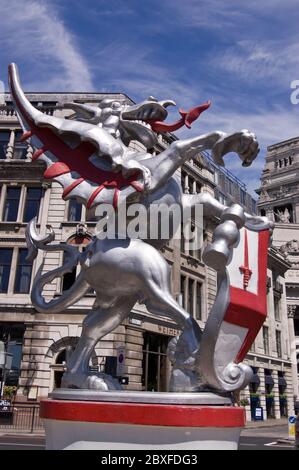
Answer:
[(255, 379), (269, 380), (282, 382)]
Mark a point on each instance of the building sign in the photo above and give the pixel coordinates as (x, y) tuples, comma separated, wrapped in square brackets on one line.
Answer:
[(258, 414), (5, 405), (292, 424), (120, 366), (164, 330)]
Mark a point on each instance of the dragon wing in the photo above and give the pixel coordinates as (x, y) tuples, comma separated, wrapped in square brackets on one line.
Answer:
[(78, 155)]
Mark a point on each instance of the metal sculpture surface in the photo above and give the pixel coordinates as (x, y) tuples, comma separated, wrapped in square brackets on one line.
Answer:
[(89, 155)]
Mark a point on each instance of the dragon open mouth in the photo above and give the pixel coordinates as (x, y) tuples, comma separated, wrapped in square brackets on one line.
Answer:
[(153, 114)]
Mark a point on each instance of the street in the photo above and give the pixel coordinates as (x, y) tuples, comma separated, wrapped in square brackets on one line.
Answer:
[(21, 442), (267, 438), (263, 443), (270, 438)]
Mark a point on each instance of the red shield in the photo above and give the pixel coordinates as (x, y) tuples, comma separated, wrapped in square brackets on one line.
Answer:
[(247, 309)]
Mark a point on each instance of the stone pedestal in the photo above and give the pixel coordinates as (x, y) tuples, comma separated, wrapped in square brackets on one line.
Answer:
[(79, 419)]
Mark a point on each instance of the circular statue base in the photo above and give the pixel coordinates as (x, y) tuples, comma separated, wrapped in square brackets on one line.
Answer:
[(122, 420)]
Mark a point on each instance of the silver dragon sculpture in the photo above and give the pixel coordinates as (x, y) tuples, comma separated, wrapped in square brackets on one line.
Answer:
[(90, 156)]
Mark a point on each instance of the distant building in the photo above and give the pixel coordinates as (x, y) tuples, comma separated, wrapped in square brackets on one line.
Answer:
[(279, 200), (272, 387)]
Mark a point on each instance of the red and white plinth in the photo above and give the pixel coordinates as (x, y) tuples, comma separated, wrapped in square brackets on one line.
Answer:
[(132, 420)]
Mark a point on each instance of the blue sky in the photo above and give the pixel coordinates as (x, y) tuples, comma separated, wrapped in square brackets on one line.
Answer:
[(241, 55)]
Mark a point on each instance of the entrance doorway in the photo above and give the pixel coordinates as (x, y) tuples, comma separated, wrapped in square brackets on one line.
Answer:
[(155, 363)]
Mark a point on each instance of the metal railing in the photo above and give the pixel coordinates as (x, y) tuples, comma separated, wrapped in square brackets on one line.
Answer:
[(224, 171), (21, 417)]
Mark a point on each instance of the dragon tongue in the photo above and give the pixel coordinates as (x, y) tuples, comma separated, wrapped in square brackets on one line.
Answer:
[(187, 117)]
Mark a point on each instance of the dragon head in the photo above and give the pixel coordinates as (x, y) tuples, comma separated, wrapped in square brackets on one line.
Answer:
[(137, 122)]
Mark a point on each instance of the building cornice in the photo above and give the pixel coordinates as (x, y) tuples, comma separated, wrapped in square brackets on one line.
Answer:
[(275, 258), (293, 140)]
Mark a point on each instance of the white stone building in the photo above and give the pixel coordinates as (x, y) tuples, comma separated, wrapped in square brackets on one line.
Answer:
[(279, 200)]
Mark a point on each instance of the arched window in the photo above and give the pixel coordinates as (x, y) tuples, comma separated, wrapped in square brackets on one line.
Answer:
[(60, 364), (61, 352)]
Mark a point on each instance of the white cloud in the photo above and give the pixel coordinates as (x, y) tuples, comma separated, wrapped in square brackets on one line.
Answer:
[(252, 60), (33, 34), (230, 14)]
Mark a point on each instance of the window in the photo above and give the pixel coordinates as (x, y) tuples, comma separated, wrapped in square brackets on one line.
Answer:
[(5, 265), (252, 347), (4, 139), (12, 202), (62, 359), (74, 211), (198, 313), (277, 308), (221, 198), (182, 291), (183, 176), (193, 302), (12, 335), (253, 206), (242, 196), (68, 278), (182, 239), (20, 148), (90, 215), (32, 204), (11, 205), (278, 343), (23, 273), (266, 339), (232, 187), (190, 305)]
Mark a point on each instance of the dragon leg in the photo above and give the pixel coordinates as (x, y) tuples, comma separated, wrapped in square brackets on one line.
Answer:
[(98, 323)]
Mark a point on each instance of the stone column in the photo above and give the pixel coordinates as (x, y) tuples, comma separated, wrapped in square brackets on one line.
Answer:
[(292, 339), (2, 200), (289, 390), (245, 395), (10, 145), (194, 187), (134, 355), (186, 184), (296, 211), (275, 391), (29, 152), (262, 390)]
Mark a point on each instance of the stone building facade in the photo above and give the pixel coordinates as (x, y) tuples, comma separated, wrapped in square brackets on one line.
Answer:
[(272, 387), (279, 200), (41, 343)]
